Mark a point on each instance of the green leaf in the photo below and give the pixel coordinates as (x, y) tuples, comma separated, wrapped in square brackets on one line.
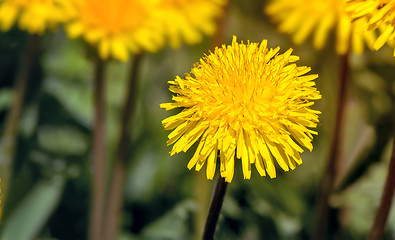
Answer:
[(27, 219), (172, 225), (29, 120), (5, 98), (62, 140)]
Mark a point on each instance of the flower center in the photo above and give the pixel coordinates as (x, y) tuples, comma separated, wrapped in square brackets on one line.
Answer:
[(174, 2), (113, 16)]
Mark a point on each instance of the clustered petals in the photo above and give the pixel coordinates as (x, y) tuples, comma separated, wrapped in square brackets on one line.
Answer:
[(186, 20), (380, 15), (320, 18), (34, 16), (244, 102), (118, 27)]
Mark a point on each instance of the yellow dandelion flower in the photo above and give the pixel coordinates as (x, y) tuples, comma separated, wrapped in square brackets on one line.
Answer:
[(34, 16), (320, 18), (247, 102), (188, 20), (380, 15), (117, 27)]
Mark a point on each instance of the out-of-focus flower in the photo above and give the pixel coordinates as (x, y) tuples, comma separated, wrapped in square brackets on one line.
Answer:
[(117, 27), (188, 20), (244, 101), (380, 14), (319, 18), (34, 16)]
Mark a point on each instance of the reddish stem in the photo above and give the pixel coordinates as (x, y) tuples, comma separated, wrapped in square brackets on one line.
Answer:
[(99, 153), (215, 208), (329, 177), (386, 201), (11, 127), (115, 196)]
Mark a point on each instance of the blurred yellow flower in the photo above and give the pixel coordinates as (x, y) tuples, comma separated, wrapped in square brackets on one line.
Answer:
[(380, 14), (117, 27), (34, 16), (188, 19), (244, 101), (319, 17)]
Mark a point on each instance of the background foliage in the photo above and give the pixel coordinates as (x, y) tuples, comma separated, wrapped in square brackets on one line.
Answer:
[(51, 176)]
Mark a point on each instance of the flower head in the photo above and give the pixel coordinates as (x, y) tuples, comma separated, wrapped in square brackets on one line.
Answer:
[(117, 27), (247, 102), (319, 18), (34, 16), (380, 14), (188, 20)]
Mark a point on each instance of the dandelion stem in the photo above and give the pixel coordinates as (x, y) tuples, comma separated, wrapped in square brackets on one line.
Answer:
[(201, 194), (218, 38), (8, 145), (201, 189), (215, 207), (115, 196), (99, 153), (386, 201), (328, 181)]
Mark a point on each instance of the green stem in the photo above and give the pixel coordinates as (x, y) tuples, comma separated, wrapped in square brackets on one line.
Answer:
[(115, 196), (386, 201), (215, 208), (99, 153), (329, 177), (8, 145)]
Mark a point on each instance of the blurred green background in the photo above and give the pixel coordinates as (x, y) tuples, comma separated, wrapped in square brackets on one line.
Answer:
[(50, 190)]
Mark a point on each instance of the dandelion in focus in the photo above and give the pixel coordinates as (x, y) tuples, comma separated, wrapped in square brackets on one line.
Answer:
[(33, 16), (117, 27), (319, 18), (247, 102), (188, 20), (380, 15)]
